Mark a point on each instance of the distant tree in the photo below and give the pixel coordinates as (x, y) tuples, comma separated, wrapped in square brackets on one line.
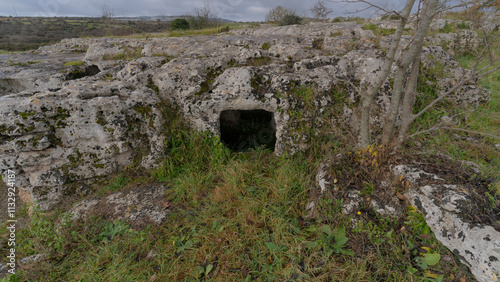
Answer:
[(276, 14), (319, 10), (406, 68), (290, 19), (177, 24), (107, 12), (203, 17)]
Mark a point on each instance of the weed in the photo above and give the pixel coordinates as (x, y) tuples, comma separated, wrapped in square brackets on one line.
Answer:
[(448, 28), (377, 30), (129, 53), (74, 63), (27, 63), (111, 230), (330, 241), (463, 25), (318, 43), (118, 183), (259, 61), (336, 33)]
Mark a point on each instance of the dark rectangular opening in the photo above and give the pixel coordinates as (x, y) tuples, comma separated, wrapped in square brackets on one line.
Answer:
[(243, 130)]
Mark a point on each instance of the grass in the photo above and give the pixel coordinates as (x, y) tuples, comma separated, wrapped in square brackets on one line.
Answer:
[(236, 216), (129, 53), (7, 52), (378, 30), (485, 118), (74, 63), (199, 32), (27, 63)]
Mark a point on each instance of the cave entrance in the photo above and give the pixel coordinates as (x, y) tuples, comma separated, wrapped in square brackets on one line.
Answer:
[(243, 130), (83, 72)]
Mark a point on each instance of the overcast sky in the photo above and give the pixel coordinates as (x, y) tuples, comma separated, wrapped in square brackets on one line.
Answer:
[(238, 10)]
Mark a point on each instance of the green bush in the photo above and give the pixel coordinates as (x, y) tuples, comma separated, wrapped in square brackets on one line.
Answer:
[(179, 24), (290, 19)]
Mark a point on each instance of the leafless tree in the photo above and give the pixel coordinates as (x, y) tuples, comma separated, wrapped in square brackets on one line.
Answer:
[(203, 17), (107, 12), (319, 10), (407, 67), (277, 13)]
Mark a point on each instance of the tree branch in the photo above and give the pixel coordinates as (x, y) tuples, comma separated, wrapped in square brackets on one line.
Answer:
[(370, 5), (453, 89)]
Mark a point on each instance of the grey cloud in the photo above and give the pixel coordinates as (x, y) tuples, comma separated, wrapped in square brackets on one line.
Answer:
[(243, 10)]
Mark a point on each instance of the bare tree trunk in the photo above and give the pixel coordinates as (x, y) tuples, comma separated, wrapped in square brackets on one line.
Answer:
[(409, 99), (402, 67), (367, 100)]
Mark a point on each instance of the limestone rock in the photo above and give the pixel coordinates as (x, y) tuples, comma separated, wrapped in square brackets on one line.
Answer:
[(139, 206), (33, 259), (3, 270), (443, 205), (88, 129), (66, 126)]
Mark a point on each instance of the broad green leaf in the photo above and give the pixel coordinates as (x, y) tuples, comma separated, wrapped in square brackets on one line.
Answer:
[(347, 252), (422, 264), (199, 271), (326, 229), (340, 238), (431, 259), (311, 244), (208, 269), (272, 246), (340, 241)]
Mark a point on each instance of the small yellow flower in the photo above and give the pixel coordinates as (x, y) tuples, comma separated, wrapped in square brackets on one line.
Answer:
[(359, 213)]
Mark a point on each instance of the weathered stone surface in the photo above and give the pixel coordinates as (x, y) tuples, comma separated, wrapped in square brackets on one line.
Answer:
[(33, 259), (3, 270), (140, 206), (60, 131), (19, 72), (443, 205), (459, 42), (85, 130)]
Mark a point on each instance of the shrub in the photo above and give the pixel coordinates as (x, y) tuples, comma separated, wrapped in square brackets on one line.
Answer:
[(179, 24), (225, 29), (290, 19), (318, 44), (278, 13)]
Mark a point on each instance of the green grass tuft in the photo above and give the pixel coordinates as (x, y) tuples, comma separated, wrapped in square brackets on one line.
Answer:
[(74, 63)]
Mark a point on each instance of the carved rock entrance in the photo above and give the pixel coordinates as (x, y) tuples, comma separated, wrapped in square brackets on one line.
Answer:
[(243, 130)]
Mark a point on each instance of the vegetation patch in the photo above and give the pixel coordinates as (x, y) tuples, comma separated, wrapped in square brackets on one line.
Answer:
[(207, 84), (290, 19), (179, 24), (259, 61), (378, 30), (128, 54), (74, 63)]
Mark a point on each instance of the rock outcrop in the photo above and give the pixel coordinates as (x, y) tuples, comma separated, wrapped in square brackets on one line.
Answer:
[(140, 206), (59, 141), (104, 109), (445, 207)]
